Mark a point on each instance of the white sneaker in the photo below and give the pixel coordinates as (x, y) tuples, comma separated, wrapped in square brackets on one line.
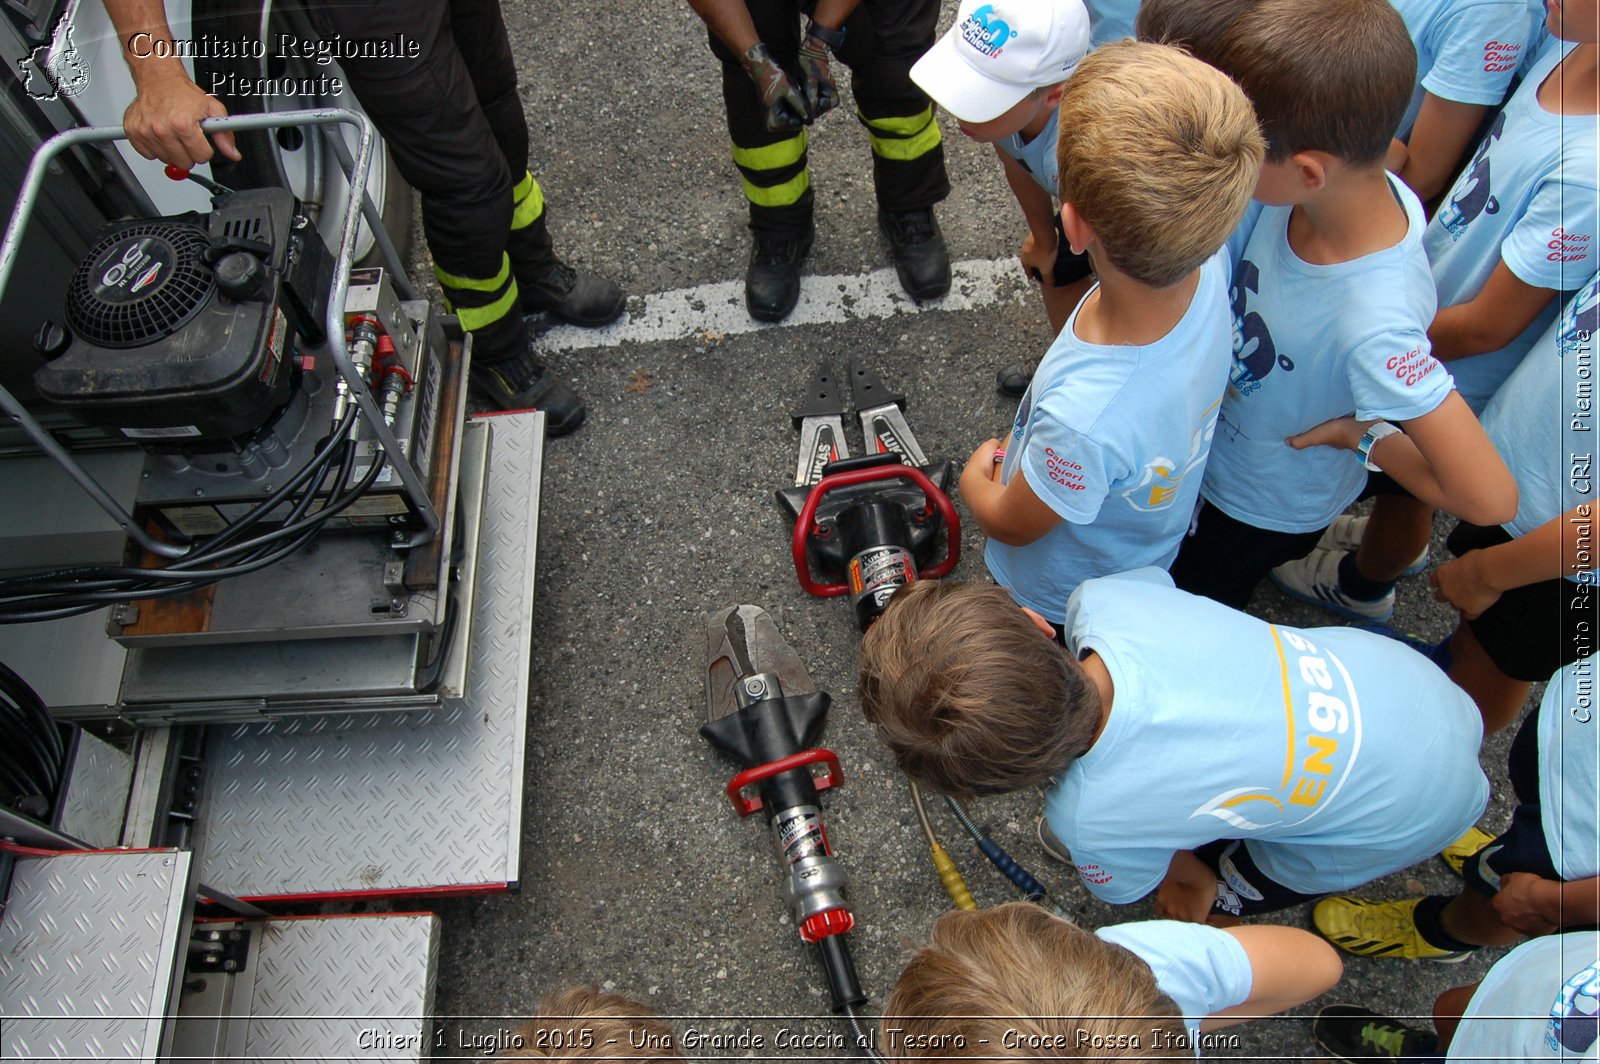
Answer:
[(1344, 535), (1315, 579)]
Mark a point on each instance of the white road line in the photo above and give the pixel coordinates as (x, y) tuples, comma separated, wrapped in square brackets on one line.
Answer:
[(825, 300)]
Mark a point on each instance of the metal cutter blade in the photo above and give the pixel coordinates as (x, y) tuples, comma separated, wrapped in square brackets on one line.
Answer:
[(742, 641)]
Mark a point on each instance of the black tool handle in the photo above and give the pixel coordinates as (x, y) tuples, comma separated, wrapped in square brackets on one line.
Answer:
[(842, 981)]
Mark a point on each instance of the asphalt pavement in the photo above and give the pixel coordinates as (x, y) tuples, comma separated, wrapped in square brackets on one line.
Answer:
[(636, 874)]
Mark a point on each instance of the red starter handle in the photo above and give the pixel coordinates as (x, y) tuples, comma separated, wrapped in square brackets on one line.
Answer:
[(745, 806), (803, 524)]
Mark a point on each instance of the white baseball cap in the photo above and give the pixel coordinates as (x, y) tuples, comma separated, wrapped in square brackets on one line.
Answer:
[(998, 51)]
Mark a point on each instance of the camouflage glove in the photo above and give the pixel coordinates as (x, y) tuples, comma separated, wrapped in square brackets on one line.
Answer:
[(821, 94), (786, 108)]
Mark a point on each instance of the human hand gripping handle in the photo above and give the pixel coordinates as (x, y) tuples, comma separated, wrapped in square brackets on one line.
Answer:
[(822, 95), (163, 121), (786, 107)]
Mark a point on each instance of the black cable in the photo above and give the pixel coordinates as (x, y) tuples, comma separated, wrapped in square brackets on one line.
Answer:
[(41, 605), (19, 691)]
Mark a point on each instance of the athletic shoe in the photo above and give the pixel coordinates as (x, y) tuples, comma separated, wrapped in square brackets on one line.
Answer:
[(772, 280), (1053, 847), (1458, 853), (1378, 929), (921, 259), (1315, 579), (1352, 1033), (1013, 380), (1344, 536), (524, 383)]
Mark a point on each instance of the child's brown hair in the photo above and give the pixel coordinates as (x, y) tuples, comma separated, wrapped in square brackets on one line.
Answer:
[(1159, 153), (1015, 981), (970, 697), (1197, 26), (1335, 76), (585, 1023)]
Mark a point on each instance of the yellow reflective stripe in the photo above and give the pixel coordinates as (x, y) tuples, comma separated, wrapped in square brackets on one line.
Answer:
[(529, 200), (778, 195), (905, 126), (772, 156), (473, 284), (901, 149), (477, 317)]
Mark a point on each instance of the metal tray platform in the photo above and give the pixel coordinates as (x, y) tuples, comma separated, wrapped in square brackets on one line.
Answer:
[(384, 804), (89, 947), (332, 988)]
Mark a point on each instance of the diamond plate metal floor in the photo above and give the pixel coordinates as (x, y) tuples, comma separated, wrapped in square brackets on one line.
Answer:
[(88, 949), (375, 803)]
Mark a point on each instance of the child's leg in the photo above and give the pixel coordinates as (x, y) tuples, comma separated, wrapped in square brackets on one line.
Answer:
[(1288, 967), (1397, 532), (1448, 1009), (1470, 917), (1498, 697), (1225, 558)]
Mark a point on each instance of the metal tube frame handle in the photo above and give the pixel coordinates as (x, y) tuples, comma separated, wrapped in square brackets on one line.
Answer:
[(808, 513), (745, 806), (10, 249)]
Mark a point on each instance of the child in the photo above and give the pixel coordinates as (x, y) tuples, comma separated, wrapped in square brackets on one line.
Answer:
[(1538, 1002), (1525, 588), (1005, 93), (1519, 226), (1538, 876), (1017, 982), (1158, 155), (1467, 53), (583, 1023), (1172, 728), (1331, 302)]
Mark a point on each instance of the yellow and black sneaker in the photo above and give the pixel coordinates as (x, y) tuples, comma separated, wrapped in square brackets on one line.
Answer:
[(1352, 1033), (1378, 929), (1458, 853)]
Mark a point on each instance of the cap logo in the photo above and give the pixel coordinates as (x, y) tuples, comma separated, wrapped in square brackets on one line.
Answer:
[(989, 35)]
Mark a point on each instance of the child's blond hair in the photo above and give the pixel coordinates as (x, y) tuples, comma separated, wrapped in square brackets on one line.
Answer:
[(968, 695), (585, 1023), (1159, 153), (1015, 981)]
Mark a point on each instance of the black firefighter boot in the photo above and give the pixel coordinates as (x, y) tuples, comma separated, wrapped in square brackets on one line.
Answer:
[(920, 257), (772, 280), (509, 376), (549, 285)]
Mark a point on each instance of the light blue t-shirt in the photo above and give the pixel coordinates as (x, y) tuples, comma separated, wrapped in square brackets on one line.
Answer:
[(1037, 156), (1114, 440), (1312, 343), (1569, 765), (1467, 50), (1110, 20), (1202, 969), (1339, 755), (1542, 420), (1538, 1002), (1530, 197)]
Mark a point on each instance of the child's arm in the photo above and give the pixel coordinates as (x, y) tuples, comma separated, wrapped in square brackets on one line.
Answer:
[(1537, 906), (1189, 890), (1444, 458), (1039, 250), (1558, 548), (1442, 131), (1288, 967), (1010, 513), (1491, 319)]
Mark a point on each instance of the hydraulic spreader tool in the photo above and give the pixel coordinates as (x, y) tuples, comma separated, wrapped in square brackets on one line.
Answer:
[(871, 523)]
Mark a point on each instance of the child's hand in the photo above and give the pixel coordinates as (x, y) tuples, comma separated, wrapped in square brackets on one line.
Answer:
[(1525, 902), (1342, 432), (982, 463), (1038, 261), (1188, 891), (1461, 583)]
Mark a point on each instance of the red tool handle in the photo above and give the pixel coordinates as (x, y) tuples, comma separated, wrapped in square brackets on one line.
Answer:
[(745, 806), (808, 513)]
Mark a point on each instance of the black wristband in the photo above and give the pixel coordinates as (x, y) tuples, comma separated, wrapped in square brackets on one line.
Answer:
[(834, 39)]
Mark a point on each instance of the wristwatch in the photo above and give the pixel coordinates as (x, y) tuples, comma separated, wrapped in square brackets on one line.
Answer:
[(1375, 432), (834, 39)]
